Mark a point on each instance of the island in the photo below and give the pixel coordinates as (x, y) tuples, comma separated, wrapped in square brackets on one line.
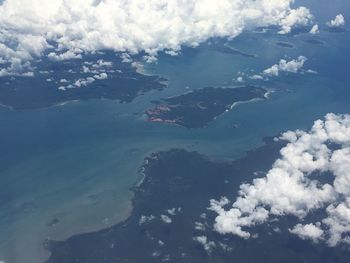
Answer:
[(284, 44), (228, 49), (314, 41), (197, 108), (119, 81)]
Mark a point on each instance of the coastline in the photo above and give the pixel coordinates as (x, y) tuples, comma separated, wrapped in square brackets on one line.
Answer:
[(149, 188), (170, 209), (183, 109)]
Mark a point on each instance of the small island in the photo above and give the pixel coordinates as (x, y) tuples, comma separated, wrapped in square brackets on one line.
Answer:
[(199, 107), (284, 44), (227, 49)]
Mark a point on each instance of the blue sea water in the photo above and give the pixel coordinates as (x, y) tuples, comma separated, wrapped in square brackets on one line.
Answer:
[(77, 162)]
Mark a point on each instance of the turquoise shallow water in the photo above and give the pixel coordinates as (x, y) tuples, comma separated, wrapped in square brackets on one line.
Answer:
[(76, 162)]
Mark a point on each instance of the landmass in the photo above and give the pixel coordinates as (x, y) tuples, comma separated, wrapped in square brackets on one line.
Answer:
[(284, 44), (123, 83), (199, 107), (314, 41), (227, 49), (170, 211)]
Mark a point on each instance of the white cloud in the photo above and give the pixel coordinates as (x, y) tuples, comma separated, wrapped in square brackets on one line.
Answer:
[(338, 222), (27, 27), (199, 226), (207, 245), (311, 71), (289, 189), (150, 58), (338, 21), (156, 253), (99, 70), (256, 77), (240, 79), (70, 54), (83, 82), (126, 58), (16, 67), (161, 243), (174, 211), (166, 219), (146, 219), (308, 231), (314, 30), (172, 52), (300, 16), (293, 66), (102, 64), (100, 76), (273, 70)]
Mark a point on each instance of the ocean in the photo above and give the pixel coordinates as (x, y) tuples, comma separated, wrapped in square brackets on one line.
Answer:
[(68, 169)]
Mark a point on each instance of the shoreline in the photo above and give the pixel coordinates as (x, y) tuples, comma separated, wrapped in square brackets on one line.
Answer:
[(146, 190), (162, 107)]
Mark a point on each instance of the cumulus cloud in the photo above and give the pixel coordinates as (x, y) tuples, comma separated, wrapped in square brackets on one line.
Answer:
[(97, 67), (338, 21), (291, 187), (293, 66), (315, 29), (15, 67), (207, 245), (256, 77), (96, 70), (166, 219), (308, 231), (240, 79), (300, 16), (70, 54), (174, 211), (66, 29), (146, 219), (199, 226), (161, 243), (100, 76)]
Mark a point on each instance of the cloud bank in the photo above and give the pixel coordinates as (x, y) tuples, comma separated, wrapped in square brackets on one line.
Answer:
[(293, 186), (66, 29)]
